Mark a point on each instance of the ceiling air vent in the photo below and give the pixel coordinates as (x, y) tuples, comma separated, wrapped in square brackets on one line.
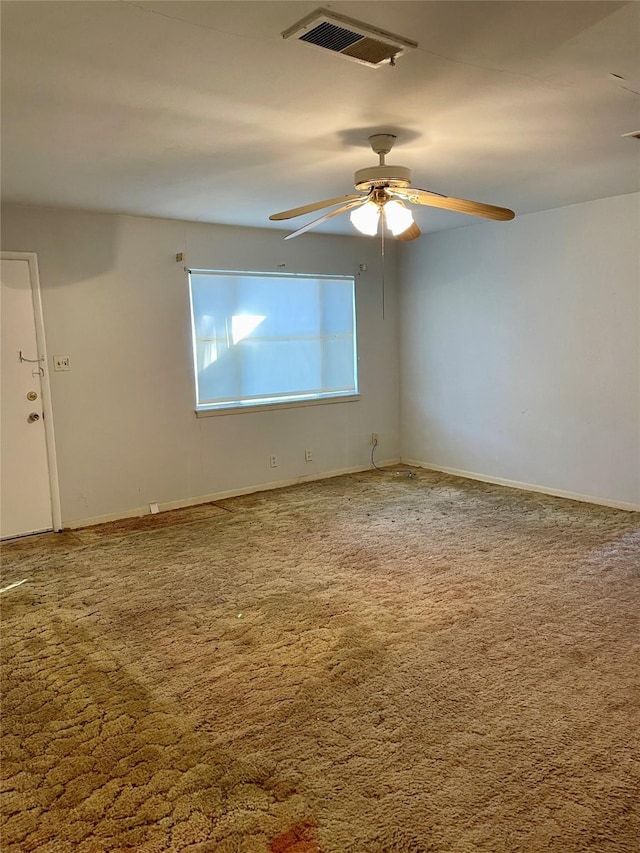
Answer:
[(351, 39)]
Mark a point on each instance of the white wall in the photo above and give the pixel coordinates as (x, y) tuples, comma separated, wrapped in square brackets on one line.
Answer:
[(116, 303), (520, 350)]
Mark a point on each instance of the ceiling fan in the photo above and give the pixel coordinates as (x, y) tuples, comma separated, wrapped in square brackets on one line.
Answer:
[(383, 191)]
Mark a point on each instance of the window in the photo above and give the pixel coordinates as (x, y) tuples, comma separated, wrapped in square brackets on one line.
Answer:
[(261, 338)]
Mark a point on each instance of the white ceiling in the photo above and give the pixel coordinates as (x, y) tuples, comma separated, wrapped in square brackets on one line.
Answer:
[(202, 111)]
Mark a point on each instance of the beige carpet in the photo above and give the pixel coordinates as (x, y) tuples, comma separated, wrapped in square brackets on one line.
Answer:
[(368, 664)]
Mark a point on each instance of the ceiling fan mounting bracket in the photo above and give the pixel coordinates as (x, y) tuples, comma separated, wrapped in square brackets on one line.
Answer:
[(382, 143)]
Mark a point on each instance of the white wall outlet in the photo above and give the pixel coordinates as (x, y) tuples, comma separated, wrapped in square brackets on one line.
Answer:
[(61, 362), (273, 460), (374, 439), (308, 456)]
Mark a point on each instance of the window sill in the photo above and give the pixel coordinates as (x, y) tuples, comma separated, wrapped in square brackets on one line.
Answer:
[(269, 407)]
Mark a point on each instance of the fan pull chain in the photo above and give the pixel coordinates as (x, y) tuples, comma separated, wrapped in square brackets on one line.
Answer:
[(382, 255)]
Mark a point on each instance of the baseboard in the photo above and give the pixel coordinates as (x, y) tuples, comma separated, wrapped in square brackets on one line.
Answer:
[(527, 487), (136, 512)]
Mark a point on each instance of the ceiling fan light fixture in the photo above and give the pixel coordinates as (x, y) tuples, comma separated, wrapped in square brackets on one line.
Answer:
[(365, 218), (398, 217)]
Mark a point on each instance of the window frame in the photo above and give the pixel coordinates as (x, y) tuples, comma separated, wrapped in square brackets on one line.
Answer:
[(273, 403)]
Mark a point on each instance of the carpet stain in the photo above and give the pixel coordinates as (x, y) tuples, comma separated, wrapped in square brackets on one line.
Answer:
[(299, 839)]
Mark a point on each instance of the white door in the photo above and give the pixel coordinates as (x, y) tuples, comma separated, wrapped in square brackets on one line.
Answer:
[(25, 484)]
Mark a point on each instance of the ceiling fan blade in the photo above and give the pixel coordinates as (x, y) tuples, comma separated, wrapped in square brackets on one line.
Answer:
[(316, 205), (412, 233), (314, 222), (460, 205)]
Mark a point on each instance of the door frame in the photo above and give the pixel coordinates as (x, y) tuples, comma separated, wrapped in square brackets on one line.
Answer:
[(45, 385)]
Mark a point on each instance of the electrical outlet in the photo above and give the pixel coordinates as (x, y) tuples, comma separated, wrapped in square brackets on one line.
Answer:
[(61, 362), (308, 456), (374, 439), (273, 460)]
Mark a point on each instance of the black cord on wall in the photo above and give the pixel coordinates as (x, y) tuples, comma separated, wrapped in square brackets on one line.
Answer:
[(410, 474)]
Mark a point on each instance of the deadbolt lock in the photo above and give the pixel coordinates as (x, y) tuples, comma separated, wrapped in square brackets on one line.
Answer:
[(32, 396), (34, 416)]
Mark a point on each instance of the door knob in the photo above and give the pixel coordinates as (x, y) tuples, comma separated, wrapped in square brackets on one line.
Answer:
[(34, 416)]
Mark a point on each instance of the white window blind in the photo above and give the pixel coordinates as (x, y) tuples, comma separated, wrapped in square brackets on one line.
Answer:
[(260, 338)]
